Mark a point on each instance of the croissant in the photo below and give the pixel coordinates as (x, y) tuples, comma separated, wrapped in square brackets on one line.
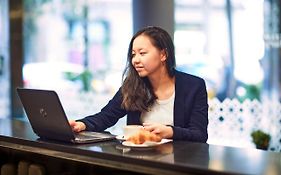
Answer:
[(143, 136)]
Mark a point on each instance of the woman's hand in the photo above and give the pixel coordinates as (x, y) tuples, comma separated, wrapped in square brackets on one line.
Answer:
[(162, 130), (77, 126)]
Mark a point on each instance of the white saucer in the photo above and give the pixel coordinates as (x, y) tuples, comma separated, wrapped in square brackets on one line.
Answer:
[(121, 137), (145, 144)]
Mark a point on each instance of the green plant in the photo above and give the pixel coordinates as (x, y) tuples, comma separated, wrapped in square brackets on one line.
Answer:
[(261, 139), (85, 77)]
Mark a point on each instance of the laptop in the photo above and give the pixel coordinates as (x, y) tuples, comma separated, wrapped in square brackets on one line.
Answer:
[(49, 121)]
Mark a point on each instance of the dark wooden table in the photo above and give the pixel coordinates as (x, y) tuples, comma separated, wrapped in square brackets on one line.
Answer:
[(18, 141)]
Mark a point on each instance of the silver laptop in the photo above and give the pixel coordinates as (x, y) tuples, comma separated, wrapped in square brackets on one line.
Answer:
[(48, 119)]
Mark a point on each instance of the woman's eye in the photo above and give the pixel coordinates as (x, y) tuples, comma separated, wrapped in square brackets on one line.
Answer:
[(142, 53), (133, 55)]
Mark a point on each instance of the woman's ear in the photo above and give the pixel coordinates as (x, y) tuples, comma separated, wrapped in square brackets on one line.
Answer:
[(164, 55)]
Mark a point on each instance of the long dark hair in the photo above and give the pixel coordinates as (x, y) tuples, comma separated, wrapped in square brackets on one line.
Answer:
[(137, 91)]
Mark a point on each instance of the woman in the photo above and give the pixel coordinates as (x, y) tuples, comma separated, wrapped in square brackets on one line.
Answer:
[(154, 94)]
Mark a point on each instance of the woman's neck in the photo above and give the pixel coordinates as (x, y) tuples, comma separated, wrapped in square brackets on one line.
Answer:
[(163, 85)]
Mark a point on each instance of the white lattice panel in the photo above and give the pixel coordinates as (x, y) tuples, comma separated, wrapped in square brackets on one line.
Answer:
[(231, 122)]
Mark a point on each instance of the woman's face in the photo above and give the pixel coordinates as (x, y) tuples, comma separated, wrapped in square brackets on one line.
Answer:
[(146, 58)]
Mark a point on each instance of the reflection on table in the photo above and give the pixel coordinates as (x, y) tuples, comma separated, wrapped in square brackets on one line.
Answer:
[(177, 157)]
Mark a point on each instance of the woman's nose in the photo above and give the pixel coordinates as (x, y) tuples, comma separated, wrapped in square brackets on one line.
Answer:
[(136, 59)]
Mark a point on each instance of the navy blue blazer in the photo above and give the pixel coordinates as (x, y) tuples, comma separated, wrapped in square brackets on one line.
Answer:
[(190, 110)]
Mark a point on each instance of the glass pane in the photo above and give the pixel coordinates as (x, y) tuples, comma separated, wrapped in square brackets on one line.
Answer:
[(4, 56), (77, 48), (202, 40)]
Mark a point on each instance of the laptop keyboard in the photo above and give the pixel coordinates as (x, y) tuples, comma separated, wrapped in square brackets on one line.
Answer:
[(90, 135), (84, 137)]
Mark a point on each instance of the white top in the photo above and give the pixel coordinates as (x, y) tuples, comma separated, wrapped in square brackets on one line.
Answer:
[(162, 111)]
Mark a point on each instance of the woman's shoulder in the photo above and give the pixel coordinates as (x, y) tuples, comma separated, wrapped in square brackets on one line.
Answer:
[(183, 76), (188, 82)]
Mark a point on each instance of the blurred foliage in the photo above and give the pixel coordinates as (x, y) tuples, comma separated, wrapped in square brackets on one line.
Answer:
[(252, 92), (85, 77)]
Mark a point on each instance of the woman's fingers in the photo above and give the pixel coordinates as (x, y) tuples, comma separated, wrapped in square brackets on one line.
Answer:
[(154, 128), (71, 122), (148, 126), (156, 131), (159, 129), (76, 126)]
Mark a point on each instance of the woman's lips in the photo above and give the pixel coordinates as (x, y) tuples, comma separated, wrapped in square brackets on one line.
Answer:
[(138, 69)]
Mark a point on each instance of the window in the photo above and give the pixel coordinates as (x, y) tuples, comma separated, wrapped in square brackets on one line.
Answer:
[(78, 49), (203, 45), (4, 62)]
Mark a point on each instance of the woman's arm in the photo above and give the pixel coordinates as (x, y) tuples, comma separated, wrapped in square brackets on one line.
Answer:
[(195, 116), (107, 117)]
